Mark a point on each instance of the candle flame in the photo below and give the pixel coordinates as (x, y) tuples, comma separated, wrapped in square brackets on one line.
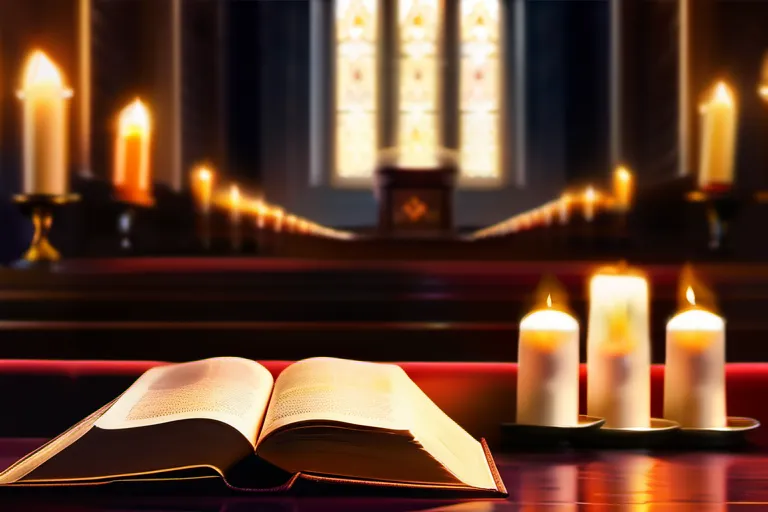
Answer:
[(549, 301), (41, 72), (690, 296), (763, 92), (134, 119), (590, 194), (721, 95), (204, 174), (622, 174)]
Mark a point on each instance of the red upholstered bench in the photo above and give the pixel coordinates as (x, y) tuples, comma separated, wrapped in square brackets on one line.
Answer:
[(42, 398)]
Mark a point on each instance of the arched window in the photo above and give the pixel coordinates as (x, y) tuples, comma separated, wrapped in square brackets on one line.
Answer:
[(407, 46)]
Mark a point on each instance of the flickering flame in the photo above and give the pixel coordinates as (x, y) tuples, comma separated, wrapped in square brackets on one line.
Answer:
[(721, 96), (549, 301), (41, 72), (134, 119), (690, 296), (763, 92), (590, 194)]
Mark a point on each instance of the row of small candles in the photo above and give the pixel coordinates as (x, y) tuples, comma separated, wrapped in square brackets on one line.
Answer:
[(560, 211), (719, 122), (239, 205), (618, 359), (44, 97)]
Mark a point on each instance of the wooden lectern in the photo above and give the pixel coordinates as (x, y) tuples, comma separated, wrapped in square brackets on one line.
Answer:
[(416, 201)]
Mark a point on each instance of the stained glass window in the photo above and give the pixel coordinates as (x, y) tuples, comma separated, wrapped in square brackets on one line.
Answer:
[(480, 89), (417, 124), (356, 88)]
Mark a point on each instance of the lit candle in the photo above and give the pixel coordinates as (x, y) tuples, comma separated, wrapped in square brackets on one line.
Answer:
[(619, 350), (762, 90), (278, 215), (718, 143), (564, 209), (202, 186), (548, 368), (694, 380), (44, 99), (622, 188), (290, 223), (590, 198), (132, 154), (262, 211)]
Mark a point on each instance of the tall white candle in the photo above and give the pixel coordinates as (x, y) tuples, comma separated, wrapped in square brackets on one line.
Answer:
[(694, 380), (548, 369), (718, 139), (619, 350), (45, 123)]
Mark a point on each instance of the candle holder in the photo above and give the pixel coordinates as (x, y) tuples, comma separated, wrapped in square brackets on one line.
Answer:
[(721, 206), (125, 227), (40, 209), (732, 435), (521, 437)]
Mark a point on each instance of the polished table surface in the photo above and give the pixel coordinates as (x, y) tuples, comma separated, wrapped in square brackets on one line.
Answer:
[(605, 480)]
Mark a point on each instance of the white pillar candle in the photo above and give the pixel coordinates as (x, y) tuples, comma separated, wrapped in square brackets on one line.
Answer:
[(548, 369), (619, 350), (718, 143), (45, 126), (694, 380)]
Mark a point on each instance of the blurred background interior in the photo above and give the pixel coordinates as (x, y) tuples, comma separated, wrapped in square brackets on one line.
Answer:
[(252, 89)]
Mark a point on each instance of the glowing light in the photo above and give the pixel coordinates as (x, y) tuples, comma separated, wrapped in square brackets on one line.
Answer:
[(690, 296), (41, 72), (549, 301), (134, 119)]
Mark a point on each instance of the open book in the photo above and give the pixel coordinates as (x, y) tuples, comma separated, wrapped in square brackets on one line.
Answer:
[(322, 420)]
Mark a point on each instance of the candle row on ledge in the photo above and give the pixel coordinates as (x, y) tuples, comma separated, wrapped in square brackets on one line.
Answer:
[(560, 211), (618, 360), (209, 195)]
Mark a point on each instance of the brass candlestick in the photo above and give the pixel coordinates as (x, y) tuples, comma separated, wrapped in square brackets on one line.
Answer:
[(40, 208)]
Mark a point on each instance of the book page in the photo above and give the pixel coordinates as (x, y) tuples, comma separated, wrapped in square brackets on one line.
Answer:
[(328, 389), (227, 389)]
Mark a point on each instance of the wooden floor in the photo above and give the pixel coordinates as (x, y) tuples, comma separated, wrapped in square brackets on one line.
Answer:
[(632, 481)]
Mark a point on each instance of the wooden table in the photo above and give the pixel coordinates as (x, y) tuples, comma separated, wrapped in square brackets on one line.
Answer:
[(558, 482)]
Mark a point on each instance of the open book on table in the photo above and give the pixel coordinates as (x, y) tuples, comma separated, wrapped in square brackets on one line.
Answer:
[(323, 420)]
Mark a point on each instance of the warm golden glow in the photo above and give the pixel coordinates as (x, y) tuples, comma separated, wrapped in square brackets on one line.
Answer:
[(549, 301), (41, 72), (134, 119), (722, 95), (690, 297), (763, 92), (590, 195)]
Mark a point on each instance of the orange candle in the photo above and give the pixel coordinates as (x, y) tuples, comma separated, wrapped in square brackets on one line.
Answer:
[(132, 158)]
